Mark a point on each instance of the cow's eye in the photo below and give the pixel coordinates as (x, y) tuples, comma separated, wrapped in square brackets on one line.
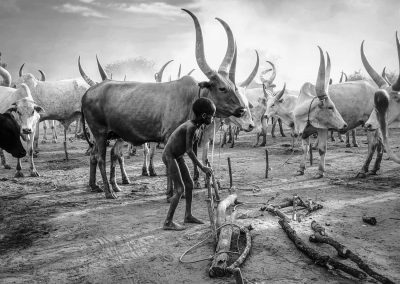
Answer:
[(33, 112), (330, 108), (223, 89)]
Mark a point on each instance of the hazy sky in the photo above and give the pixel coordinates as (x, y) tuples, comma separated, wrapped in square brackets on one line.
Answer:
[(51, 34)]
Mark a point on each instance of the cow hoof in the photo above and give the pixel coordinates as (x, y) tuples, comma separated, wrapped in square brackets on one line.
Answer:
[(355, 145), (44, 141), (126, 181), (145, 172), (153, 173), (196, 184), (300, 173), (95, 188), (361, 175), (19, 174), (348, 145), (35, 174), (7, 167), (318, 176), (262, 144), (111, 195), (372, 173)]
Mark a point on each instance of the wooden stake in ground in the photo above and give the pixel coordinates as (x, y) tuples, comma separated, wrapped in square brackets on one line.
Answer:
[(346, 253), (266, 163), (230, 173), (311, 154), (210, 207), (320, 259)]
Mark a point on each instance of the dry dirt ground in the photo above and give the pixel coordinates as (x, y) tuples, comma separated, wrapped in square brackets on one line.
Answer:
[(54, 230)]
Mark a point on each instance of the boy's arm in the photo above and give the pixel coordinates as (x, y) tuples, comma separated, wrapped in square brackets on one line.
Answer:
[(189, 146)]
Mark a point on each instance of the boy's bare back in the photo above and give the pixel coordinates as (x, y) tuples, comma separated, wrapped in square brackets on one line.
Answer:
[(181, 140)]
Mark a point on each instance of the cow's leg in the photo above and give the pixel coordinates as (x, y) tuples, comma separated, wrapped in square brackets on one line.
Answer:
[(65, 142), (119, 152), (132, 150), (332, 137), (348, 145), (145, 171), (257, 139), (229, 131), (113, 161), (305, 144), (264, 139), (196, 174), (54, 131), (102, 150), (372, 143), (3, 160), (19, 173), (223, 142), (322, 146), (273, 122), (44, 139), (354, 136), (93, 167), (151, 164), (233, 137), (29, 146), (378, 160), (36, 141), (340, 137), (237, 130), (281, 128), (77, 126)]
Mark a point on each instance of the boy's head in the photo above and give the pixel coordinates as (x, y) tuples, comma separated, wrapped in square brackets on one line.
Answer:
[(204, 110)]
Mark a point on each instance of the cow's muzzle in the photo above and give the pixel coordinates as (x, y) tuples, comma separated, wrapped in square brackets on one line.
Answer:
[(343, 129), (26, 131)]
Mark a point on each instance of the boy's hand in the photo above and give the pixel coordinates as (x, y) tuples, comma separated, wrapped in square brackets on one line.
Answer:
[(207, 170)]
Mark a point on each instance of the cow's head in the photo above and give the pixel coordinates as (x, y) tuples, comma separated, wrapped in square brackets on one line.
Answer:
[(25, 111), (274, 103), (393, 112), (314, 104), (29, 79), (10, 136), (268, 84), (221, 87)]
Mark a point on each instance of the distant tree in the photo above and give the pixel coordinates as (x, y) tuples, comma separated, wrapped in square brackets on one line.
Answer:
[(358, 75), (135, 69)]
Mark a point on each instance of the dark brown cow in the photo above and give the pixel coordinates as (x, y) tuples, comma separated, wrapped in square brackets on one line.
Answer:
[(150, 112)]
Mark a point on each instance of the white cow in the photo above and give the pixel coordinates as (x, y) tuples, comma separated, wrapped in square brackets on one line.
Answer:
[(61, 99), (26, 113)]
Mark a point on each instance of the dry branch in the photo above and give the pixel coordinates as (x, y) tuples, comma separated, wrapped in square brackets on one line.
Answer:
[(318, 258), (270, 208), (347, 253)]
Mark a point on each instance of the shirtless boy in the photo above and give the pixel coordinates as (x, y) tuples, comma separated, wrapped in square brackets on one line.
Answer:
[(179, 143)]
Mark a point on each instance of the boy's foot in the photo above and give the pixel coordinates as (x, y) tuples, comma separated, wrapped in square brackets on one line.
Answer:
[(193, 220), (173, 226)]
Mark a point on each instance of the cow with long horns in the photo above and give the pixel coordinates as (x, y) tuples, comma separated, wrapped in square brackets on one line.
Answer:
[(19, 104), (126, 109), (61, 99), (387, 106)]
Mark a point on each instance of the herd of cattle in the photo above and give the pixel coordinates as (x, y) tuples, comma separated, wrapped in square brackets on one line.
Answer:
[(146, 113)]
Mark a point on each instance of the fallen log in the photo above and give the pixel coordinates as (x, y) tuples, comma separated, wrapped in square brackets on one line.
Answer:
[(318, 258), (347, 253), (270, 208), (221, 257)]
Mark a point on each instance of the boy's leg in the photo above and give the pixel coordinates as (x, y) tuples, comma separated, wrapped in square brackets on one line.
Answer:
[(188, 182), (175, 175)]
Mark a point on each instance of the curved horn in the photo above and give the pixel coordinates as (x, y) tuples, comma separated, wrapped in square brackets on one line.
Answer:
[(396, 86), (253, 73), (6, 77), (264, 81), (200, 58), (103, 73), (320, 85), (328, 80), (341, 77), (232, 70), (20, 70), (83, 74), (42, 75), (125, 77), (230, 51), (374, 75), (272, 78), (179, 70), (279, 95), (159, 74), (191, 71), (384, 76)]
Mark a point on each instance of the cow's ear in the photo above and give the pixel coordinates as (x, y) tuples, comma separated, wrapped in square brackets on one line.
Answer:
[(39, 109), (250, 105), (205, 84)]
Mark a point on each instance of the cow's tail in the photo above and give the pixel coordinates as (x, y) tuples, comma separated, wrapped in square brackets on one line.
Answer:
[(84, 129)]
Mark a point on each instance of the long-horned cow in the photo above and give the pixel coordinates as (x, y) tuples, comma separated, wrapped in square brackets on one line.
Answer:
[(61, 99), (25, 112), (125, 110), (387, 103), (315, 111)]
